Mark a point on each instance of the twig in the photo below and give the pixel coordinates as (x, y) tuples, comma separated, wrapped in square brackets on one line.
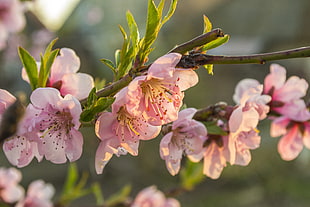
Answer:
[(198, 41), (197, 59)]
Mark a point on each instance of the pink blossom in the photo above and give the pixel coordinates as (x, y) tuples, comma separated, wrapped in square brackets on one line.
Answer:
[(6, 99), (65, 78), (56, 121), (215, 155), (39, 194), (248, 93), (18, 149), (160, 93), (120, 131), (294, 129), (10, 191), (187, 136), (12, 19), (151, 197), (283, 92)]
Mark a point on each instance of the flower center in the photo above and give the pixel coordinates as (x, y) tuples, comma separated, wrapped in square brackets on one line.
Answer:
[(126, 123), (157, 93)]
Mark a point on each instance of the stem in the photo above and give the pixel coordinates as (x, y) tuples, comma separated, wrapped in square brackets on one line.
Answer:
[(197, 59), (198, 41), (112, 88)]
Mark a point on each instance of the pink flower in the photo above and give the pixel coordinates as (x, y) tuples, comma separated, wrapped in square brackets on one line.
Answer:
[(39, 194), (283, 92), (248, 94), (12, 19), (187, 136), (120, 132), (151, 197), (6, 99), (18, 149), (10, 191), (294, 129), (160, 93), (215, 155), (65, 78), (56, 121)]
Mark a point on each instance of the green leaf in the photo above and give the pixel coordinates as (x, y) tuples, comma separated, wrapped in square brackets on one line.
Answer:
[(207, 24), (100, 105), (71, 180), (191, 174), (117, 57), (209, 68), (49, 48), (215, 43), (212, 128), (45, 67), (92, 97), (110, 64), (133, 28), (30, 66), (96, 189), (170, 12), (119, 197), (152, 29)]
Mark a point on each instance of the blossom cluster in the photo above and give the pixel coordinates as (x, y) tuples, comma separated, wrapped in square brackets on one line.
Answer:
[(50, 125), (38, 194), (278, 99)]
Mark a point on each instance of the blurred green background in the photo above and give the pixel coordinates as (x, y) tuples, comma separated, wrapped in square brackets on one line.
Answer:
[(255, 26)]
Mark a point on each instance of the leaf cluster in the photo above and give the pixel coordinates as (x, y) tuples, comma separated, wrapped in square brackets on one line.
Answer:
[(135, 50), (38, 73)]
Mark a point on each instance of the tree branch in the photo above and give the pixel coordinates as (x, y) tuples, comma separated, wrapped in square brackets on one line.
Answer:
[(198, 41), (197, 59)]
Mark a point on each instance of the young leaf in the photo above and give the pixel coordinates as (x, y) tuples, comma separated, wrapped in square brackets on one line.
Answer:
[(30, 66), (209, 68), (100, 105), (212, 128), (152, 29), (207, 24), (170, 12), (133, 28), (191, 175), (49, 48), (110, 64), (215, 43)]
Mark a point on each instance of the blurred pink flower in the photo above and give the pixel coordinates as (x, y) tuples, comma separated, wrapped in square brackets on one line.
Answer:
[(39, 194), (151, 197), (10, 191), (283, 92), (12, 19), (6, 99), (187, 136), (64, 76), (56, 121), (294, 129), (160, 93), (18, 148)]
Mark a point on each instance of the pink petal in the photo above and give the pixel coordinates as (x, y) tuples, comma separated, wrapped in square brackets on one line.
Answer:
[(276, 78), (67, 62), (290, 145), (214, 162), (185, 78), (278, 126), (103, 154), (77, 84), (43, 97), (243, 86), (164, 66), (293, 89)]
